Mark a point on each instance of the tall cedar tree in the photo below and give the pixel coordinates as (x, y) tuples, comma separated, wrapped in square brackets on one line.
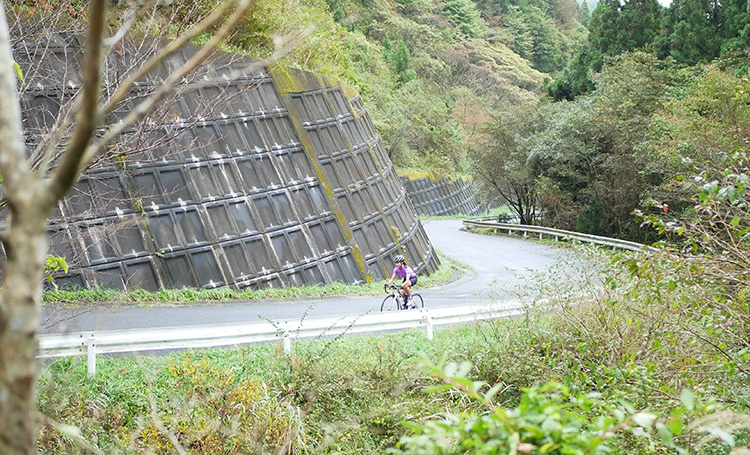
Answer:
[(735, 23), (691, 31), (614, 29)]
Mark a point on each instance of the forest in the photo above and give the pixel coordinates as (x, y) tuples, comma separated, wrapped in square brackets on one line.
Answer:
[(628, 119)]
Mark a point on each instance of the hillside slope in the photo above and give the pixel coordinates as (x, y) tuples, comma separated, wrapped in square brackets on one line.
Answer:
[(432, 72)]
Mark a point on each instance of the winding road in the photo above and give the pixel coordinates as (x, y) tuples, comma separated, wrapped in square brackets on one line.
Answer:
[(498, 266)]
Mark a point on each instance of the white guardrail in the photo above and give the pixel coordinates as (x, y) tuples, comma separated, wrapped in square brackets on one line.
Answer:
[(208, 336), (557, 234)]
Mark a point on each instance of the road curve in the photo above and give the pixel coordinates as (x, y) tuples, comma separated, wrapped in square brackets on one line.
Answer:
[(498, 266)]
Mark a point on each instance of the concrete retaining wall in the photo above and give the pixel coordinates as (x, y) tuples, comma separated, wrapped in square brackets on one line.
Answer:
[(442, 197), (284, 181)]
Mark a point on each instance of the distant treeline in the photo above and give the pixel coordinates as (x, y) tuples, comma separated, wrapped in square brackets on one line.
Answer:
[(688, 31)]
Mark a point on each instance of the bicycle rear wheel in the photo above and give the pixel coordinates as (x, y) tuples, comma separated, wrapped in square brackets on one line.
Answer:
[(417, 301), (389, 304)]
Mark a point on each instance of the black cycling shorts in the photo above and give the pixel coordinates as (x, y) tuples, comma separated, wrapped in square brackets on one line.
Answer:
[(413, 281)]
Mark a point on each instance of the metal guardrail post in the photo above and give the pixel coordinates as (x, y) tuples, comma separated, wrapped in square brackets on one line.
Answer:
[(91, 352), (428, 324)]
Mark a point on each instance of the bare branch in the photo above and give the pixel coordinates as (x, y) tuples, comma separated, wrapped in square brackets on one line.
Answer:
[(167, 86), (89, 116), (125, 87)]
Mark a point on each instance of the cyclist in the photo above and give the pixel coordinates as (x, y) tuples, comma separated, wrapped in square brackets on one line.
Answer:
[(408, 276)]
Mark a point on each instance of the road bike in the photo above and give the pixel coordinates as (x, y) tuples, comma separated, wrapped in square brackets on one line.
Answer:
[(395, 301)]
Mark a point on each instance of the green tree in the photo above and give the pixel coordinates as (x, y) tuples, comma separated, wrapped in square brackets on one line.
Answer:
[(584, 13), (466, 16), (501, 164), (735, 25), (592, 149), (575, 79), (616, 28), (550, 51), (603, 29), (537, 36), (399, 57), (691, 31), (639, 23)]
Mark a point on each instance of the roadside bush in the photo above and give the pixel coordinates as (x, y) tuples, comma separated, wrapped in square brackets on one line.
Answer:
[(551, 419), (212, 412)]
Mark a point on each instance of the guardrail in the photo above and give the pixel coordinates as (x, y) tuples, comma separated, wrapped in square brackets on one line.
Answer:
[(207, 336), (558, 234)]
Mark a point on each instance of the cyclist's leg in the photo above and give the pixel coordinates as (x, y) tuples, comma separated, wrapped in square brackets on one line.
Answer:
[(408, 284), (407, 287)]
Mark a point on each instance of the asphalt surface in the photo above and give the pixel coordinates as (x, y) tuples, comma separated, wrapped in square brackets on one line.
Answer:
[(499, 266)]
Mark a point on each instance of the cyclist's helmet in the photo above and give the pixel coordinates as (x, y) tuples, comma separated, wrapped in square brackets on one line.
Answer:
[(399, 258)]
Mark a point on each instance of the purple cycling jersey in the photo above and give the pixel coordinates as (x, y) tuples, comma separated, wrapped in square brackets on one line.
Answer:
[(404, 273)]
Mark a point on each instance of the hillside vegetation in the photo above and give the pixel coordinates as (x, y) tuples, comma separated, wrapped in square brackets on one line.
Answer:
[(431, 73)]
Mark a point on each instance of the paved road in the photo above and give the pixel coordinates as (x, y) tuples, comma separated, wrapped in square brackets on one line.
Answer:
[(499, 265)]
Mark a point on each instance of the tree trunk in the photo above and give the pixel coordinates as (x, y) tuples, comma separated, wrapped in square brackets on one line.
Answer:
[(26, 247), (31, 196)]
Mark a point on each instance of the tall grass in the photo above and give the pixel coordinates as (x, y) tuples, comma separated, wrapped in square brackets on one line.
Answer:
[(349, 395)]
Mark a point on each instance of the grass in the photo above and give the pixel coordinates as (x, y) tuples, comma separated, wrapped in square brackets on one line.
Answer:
[(352, 393), (347, 395), (447, 272)]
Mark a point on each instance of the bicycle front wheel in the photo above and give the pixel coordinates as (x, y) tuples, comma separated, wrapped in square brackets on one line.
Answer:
[(417, 301), (389, 304)]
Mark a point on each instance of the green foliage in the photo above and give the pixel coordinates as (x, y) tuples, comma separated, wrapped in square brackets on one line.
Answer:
[(614, 29), (718, 222), (691, 31), (688, 31), (736, 25), (54, 264), (466, 16), (348, 395), (545, 34), (410, 57), (399, 57), (538, 38), (702, 134), (548, 420), (502, 166), (214, 412), (19, 73), (575, 79), (591, 155)]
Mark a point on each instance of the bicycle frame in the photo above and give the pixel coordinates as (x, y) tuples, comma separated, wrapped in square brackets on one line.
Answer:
[(399, 299), (398, 293)]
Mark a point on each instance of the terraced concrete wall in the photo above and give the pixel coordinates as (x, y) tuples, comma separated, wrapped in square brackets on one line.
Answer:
[(284, 182), (442, 197)]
